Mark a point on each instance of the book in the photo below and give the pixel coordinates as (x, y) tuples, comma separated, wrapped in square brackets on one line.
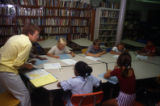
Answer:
[(64, 56), (69, 61), (40, 77), (52, 66)]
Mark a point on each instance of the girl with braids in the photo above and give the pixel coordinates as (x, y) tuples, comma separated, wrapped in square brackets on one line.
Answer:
[(126, 77), (81, 84)]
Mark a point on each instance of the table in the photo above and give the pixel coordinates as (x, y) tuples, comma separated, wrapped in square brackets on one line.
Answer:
[(142, 69), (67, 72), (133, 43), (83, 42), (76, 58), (111, 58)]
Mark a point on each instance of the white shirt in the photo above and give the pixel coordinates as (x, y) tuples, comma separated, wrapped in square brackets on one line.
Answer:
[(115, 49), (54, 50), (79, 85)]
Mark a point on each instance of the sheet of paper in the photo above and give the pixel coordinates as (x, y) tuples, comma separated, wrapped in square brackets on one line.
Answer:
[(142, 57), (64, 56), (52, 66), (36, 73), (38, 62), (93, 58), (116, 56), (69, 61)]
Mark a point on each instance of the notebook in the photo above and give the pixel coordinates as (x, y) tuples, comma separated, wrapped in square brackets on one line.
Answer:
[(40, 77), (64, 56)]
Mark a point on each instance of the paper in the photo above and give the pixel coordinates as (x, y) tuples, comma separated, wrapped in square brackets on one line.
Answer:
[(52, 66), (38, 62), (40, 77), (113, 79), (64, 56), (142, 57), (69, 61), (116, 56), (93, 58)]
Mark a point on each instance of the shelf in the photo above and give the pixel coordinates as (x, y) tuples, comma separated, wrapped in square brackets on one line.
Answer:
[(109, 17), (111, 9), (106, 29), (108, 24)]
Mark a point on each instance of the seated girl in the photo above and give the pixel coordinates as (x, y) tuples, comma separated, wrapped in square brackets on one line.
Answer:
[(127, 82), (83, 83), (60, 48)]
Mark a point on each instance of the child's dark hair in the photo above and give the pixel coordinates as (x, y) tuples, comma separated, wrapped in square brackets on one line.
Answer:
[(124, 60), (83, 69), (96, 42)]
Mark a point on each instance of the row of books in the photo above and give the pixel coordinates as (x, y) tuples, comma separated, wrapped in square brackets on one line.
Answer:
[(80, 30), (6, 21), (73, 4), (80, 13), (47, 3), (109, 21), (108, 26), (8, 1), (55, 21), (7, 31), (7, 11), (107, 13), (111, 4), (78, 36), (56, 12), (77, 22), (57, 30), (51, 12), (27, 2), (55, 3), (30, 11), (46, 21)]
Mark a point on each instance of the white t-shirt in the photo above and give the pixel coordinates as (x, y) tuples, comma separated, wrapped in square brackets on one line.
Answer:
[(54, 50), (115, 49)]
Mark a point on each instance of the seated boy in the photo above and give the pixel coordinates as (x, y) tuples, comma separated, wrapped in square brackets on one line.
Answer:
[(118, 49), (148, 50), (95, 50)]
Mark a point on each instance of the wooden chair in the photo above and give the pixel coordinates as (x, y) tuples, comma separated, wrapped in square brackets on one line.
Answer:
[(7, 99)]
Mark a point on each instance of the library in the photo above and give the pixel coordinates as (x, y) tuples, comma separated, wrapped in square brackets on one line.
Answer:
[(79, 52)]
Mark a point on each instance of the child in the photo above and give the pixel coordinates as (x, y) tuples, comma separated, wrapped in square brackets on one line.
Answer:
[(118, 49), (149, 49), (126, 77), (83, 82), (95, 50), (60, 48)]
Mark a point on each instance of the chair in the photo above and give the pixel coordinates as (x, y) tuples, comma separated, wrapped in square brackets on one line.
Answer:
[(84, 51), (7, 99), (90, 99)]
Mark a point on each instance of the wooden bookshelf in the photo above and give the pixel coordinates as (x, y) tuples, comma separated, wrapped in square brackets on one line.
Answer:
[(71, 19), (106, 22)]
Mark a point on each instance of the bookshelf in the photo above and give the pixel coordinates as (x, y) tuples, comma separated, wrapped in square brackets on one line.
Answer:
[(72, 19), (106, 22)]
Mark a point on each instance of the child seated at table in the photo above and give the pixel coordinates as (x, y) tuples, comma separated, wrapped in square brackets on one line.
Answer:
[(83, 83), (118, 49), (127, 82), (95, 50), (60, 48), (148, 50)]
